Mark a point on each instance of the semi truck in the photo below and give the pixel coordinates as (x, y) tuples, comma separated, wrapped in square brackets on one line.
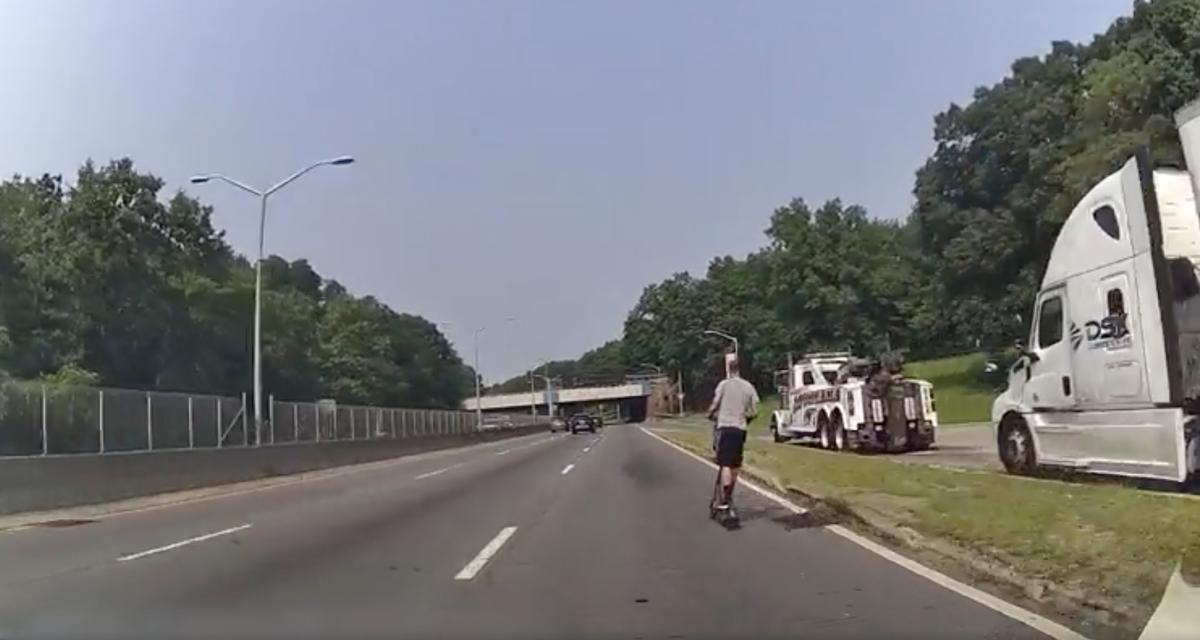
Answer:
[(1109, 379), (849, 404)]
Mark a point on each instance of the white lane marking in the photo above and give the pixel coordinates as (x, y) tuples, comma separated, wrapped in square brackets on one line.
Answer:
[(176, 545), (770, 495), (504, 453), (1048, 627), (567, 469), (437, 472), (143, 504), (1029, 618), (476, 565), (587, 449)]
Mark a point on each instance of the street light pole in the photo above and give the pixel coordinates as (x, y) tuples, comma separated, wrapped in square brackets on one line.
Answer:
[(722, 334), (549, 400), (478, 394), (479, 377), (262, 227)]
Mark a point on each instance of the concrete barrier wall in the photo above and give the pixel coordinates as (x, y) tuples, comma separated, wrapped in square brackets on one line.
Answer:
[(38, 483)]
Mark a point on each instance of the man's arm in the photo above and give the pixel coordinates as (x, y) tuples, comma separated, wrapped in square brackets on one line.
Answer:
[(716, 402), (753, 409)]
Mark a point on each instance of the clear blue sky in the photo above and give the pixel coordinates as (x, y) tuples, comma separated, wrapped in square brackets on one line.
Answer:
[(544, 160)]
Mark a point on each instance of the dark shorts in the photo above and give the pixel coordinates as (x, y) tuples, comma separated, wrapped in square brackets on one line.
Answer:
[(730, 442)]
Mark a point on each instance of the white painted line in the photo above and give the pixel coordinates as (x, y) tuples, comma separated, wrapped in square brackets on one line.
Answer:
[(770, 495), (176, 545), (587, 449), (504, 453), (143, 504), (1029, 618), (438, 472), (567, 469), (1046, 626), (476, 565)]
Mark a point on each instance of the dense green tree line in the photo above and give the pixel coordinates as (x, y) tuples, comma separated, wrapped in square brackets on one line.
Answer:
[(102, 282), (960, 272)]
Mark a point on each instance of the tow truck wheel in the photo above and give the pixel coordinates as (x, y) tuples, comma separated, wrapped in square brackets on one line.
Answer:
[(1016, 446), (823, 432), (775, 433), (839, 433)]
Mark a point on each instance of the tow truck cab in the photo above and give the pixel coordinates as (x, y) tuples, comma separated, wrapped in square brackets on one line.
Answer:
[(1109, 379)]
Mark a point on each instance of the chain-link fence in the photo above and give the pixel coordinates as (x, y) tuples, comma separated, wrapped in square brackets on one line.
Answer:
[(37, 419)]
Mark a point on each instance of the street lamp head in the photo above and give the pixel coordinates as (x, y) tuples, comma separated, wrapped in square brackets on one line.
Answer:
[(341, 160), (199, 179)]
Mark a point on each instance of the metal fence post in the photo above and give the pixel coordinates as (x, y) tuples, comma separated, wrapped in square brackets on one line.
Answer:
[(219, 438), (296, 422), (271, 415), (45, 429), (101, 419), (392, 414), (317, 422), (149, 424), (352, 427), (335, 412), (191, 426), (245, 428)]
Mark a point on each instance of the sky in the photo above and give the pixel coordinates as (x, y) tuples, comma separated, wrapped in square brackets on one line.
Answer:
[(539, 160)]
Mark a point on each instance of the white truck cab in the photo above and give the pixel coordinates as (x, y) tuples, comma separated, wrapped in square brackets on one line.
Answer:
[(1110, 376), (829, 397)]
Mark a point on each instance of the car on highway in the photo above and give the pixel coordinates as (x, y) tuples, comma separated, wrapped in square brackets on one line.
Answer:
[(583, 422), (557, 424)]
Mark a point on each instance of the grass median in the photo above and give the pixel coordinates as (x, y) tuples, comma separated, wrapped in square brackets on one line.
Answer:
[(1103, 551)]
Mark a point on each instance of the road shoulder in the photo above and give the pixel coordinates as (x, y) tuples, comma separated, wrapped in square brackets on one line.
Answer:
[(1060, 549)]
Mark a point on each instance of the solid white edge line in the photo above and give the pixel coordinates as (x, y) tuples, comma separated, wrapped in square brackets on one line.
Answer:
[(504, 453), (176, 545), (587, 449), (1028, 618), (430, 474), (477, 563), (567, 469), (1024, 616), (770, 495)]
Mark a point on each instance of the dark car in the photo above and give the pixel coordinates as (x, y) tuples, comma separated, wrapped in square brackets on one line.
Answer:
[(582, 422)]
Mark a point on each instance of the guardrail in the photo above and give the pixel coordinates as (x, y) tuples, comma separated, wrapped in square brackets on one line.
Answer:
[(46, 419)]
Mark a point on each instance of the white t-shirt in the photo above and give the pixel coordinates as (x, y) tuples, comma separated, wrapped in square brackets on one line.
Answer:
[(734, 400)]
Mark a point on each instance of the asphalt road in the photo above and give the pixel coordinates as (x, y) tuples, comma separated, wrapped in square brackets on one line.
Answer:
[(965, 446), (591, 536)]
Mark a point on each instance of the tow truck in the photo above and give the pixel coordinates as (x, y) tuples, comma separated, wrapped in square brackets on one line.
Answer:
[(848, 403)]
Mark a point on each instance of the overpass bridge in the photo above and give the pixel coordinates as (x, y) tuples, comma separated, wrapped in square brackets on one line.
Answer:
[(630, 399)]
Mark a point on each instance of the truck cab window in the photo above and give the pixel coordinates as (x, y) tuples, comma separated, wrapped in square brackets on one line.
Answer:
[(1116, 302), (1106, 219), (1050, 321), (807, 378), (830, 376)]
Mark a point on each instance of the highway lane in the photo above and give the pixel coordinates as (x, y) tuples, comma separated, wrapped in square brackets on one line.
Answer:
[(545, 536)]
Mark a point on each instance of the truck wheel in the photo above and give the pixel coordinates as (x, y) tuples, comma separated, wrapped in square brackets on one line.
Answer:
[(775, 433), (839, 433), (1016, 446), (823, 432)]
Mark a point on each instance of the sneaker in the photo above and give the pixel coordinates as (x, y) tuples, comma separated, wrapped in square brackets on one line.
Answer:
[(723, 507), (731, 513)]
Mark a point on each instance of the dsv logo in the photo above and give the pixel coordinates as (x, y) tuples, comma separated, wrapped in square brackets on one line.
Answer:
[(1112, 326), (1110, 332)]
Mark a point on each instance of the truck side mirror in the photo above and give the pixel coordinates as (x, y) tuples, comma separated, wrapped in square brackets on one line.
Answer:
[(1026, 353)]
